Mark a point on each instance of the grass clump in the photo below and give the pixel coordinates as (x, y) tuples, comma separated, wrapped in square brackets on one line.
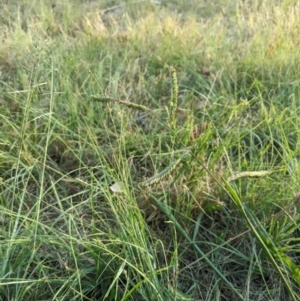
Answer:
[(122, 178)]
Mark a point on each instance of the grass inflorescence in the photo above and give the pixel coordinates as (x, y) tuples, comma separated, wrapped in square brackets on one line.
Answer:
[(174, 102), (122, 178)]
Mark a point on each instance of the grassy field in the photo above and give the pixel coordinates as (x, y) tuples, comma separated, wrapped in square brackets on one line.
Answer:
[(149, 150)]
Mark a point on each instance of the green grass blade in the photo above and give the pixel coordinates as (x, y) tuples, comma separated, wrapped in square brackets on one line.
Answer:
[(265, 242), (171, 217)]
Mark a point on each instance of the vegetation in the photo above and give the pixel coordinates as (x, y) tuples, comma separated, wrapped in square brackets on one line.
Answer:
[(149, 150)]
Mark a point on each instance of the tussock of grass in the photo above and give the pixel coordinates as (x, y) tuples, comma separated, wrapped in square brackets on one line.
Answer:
[(176, 229)]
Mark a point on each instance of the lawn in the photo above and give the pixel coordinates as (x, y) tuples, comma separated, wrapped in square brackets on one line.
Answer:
[(149, 150)]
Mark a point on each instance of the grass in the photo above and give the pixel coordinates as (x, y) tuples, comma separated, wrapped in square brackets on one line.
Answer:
[(149, 151)]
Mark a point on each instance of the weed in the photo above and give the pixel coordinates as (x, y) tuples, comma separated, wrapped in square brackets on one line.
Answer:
[(125, 197)]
